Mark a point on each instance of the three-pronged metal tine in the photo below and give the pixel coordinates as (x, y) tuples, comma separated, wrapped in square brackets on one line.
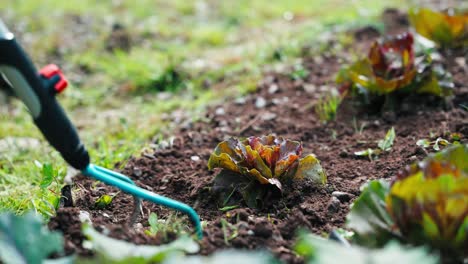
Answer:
[(127, 185)]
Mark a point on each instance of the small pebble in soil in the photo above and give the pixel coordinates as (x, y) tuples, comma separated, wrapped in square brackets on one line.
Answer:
[(137, 172), (240, 100), (277, 236), (84, 217), (138, 226), (280, 101), (242, 226), (260, 102), (324, 88), (257, 128), (195, 158), (220, 111), (342, 196), (267, 80), (269, 116), (223, 123), (461, 61), (273, 89), (318, 60), (224, 129), (334, 205), (164, 144), (310, 88)]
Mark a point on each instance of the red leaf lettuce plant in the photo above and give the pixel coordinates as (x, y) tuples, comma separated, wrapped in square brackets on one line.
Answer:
[(392, 69), (426, 204), (446, 28), (256, 166)]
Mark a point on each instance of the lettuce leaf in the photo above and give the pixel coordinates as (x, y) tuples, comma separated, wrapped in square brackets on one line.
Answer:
[(24, 239), (254, 166), (426, 204), (446, 28), (317, 250), (392, 66)]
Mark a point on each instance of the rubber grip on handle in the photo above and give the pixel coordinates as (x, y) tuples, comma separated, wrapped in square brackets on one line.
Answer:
[(47, 113)]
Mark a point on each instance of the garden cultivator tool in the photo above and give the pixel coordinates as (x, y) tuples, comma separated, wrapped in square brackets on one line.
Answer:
[(37, 90)]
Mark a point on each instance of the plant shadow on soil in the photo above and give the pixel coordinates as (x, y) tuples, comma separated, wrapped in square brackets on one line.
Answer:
[(288, 112)]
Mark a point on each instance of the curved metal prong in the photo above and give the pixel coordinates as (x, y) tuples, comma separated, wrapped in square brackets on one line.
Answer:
[(136, 201), (125, 184)]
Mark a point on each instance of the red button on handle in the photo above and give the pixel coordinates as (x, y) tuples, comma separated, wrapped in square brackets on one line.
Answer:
[(51, 70)]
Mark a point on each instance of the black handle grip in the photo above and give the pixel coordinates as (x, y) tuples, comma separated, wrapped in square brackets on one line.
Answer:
[(36, 92)]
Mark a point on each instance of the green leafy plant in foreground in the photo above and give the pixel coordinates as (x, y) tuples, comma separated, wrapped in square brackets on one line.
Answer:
[(392, 68), (384, 145), (227, 257), (256, 165), (320, 251), (447, 28), (24, 239), (110, 250), (427, 204)]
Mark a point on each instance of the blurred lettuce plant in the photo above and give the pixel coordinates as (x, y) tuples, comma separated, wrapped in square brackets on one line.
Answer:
[(426, 204), (392, 66), (446, 28), (253, 165), (317, 250), (24, 239)]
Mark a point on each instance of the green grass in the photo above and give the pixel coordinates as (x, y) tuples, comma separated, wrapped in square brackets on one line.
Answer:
[(327, 106), (178, 46)]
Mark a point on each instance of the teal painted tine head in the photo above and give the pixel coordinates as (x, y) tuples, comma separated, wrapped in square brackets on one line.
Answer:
[(126, 184)]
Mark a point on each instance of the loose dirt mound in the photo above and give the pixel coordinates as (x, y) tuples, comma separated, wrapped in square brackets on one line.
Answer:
[(282, 106)]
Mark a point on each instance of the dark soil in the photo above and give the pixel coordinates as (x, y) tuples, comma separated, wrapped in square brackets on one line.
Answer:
[(68, 222), (179, 171)]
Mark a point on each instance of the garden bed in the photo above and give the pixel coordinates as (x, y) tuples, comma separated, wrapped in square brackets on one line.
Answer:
[(283, 106)]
